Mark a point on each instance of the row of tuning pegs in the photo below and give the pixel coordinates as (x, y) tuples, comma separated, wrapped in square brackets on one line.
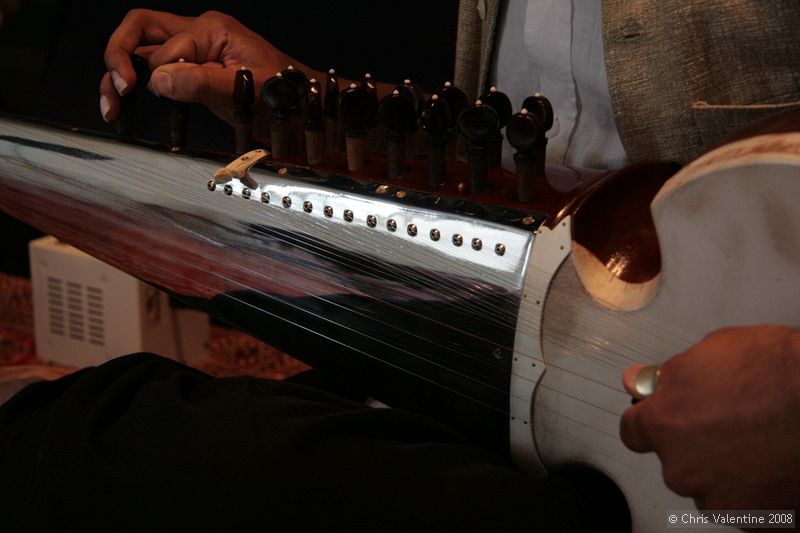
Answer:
[(312, 118)]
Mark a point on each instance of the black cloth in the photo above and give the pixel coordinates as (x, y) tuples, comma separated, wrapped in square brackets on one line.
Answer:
[(143, 443)]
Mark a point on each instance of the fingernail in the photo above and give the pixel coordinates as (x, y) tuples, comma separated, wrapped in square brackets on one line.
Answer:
[(160, 83), (104, 107), (119, 83)]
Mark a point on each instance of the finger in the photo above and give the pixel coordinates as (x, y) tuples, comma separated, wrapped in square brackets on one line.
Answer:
[(195, 45), (629, 378), (633, 429), (209, 84), (139, 27), (109, 99)]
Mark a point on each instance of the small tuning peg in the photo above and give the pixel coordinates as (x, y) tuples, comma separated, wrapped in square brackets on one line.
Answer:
[(479, 123), (397, 113), (413, 92), (502, 105), (357, 108), (243, 98), (279, 94), (436, 120), (332, 126), (128, 101), (457, 100), (371, 86), (525, 133), (299, 80), (178, 122), (542, 108), (313, 126), (295, 112)]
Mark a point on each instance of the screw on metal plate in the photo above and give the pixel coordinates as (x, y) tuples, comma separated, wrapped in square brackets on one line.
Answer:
[(228, 190), (246, 193), (328, 210), (265, 197), (212, 185), (435, 235), (412, 230), (458, 240), (287, 202), (477, 244), (391, 225), (372, 221), (348, 215), (308, 206), (500, 249)]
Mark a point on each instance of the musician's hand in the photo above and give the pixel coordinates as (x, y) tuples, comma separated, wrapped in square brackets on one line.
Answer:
[(725, 420), (212, 46)]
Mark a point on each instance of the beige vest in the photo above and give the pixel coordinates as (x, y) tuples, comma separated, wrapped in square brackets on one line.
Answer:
[(682, 74)]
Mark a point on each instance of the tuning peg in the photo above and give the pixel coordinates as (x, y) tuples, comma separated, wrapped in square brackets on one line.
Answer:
[(243, 98), (542, 108), (313, 126), (371, 86), (457, 100), (479, 123), (357, 107), (127, 115), (279, 94), (295, 111), (397, 113), (332, 126), (502, 105), (525, 133), (436, 120), (413, 92)]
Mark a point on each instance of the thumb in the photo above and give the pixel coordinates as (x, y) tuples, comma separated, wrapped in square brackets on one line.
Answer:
[(205, 84)]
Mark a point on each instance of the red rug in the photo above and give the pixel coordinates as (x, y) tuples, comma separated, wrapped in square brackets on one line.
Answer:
[(232, 353)]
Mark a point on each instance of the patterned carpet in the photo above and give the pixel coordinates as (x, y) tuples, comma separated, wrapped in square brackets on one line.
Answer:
[(232, 353)]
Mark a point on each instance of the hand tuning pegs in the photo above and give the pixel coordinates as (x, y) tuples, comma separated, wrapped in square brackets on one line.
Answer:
[(357, 107), (243, 98), (525, 133), (457, 101), (398, 114), (479, 123), (128, 101), (315, 136), (280, 94), (437, 121), (331, 113), (502, 105)]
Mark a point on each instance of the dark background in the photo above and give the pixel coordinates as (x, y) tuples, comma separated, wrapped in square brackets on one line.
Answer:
[(51, 61)]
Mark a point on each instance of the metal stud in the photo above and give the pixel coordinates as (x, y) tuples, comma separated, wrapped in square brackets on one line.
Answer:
[(212, 185), (348, 215), (435, 234), (287, 202), (246, 193), (328, 210), (477, 244), (308, 206), (265, 197), (228, 190), (500, 249), (458, 240), (412, 230), (372, 221), (391, 225)]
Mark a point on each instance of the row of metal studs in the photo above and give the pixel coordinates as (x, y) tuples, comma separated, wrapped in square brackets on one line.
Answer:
[(372, 220)]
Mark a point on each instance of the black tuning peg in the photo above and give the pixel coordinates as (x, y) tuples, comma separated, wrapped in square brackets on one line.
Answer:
[(413, 92), (331, 113), (295, 112), (313, 125), (243, 98), (357, 108), (436, 120), (280, 95), (479, 123), (178, 123), (457, 101), (525, 133), (127, 115), (542, 108), (502, 105), (371, 86), (397, 113)]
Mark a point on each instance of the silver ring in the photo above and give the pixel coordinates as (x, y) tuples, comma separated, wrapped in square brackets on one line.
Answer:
[(646, 381)]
